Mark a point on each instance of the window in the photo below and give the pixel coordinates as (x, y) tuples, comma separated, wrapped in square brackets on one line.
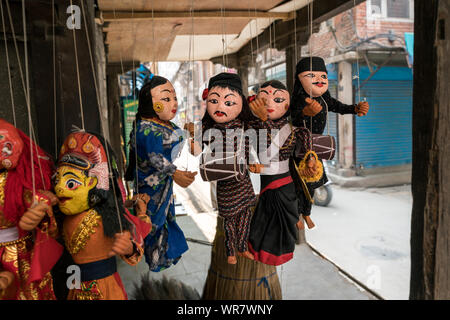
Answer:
[(398, 9), (390, 9)]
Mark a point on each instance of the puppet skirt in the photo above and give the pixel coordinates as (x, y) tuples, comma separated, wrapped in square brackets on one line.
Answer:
[(273, 230), (245, 280)]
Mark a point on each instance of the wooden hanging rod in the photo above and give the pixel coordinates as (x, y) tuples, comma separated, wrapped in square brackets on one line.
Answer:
[(110, 16)]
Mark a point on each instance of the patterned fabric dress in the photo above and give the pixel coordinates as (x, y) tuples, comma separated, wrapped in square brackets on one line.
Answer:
[(235, 199), (273, 227), (158, 145), (17, 256)]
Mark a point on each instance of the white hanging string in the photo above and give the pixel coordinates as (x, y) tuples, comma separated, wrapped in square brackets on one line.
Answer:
[(295, 31), (25, 88), (223, 36), (153, 37), (257, 30), (191, 60), (357, 55), (19, 62), (310, 18), (134, 81), (270, 48), (54, 79), (8, 66), (78, 74), (110, 174), (251, 40), (30, 121)]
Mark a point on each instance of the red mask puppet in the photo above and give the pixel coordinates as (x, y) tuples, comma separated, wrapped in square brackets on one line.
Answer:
[(11, 145)]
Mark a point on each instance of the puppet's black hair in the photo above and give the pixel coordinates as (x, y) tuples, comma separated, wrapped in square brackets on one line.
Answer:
[(145, 109)]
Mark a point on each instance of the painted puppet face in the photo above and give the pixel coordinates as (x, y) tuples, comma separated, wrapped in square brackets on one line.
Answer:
[(11, 146), (165, 101), (223, 104), (72, 188), (315, 83), (277, 101)]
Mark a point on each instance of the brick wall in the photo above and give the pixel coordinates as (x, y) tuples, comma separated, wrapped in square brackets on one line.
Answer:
[(323, 43)]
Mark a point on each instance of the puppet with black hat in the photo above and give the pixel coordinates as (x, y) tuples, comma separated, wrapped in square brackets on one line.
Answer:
[(311, 101)]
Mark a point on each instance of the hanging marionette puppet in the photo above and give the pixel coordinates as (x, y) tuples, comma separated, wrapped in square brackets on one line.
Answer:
[(156, 141), (28, 249), (227, 113), (273, 228), (311, 101), (87, 186)]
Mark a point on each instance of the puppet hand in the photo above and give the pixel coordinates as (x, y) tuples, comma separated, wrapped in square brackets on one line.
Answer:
[(184, 178), (362, 108), (141, 202), (122, 245), (50, 196), (256, 167), (33, 216), (258, 107), (6, 278), (312, 107), (190, 127)]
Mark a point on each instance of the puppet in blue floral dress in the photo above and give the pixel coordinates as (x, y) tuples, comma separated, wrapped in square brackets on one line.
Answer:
[(153, 149)]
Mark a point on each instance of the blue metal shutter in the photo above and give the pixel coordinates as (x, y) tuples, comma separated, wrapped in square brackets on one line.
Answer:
[(384, 136)]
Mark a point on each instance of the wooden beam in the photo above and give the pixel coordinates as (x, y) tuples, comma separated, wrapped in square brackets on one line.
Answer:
[(285, 31), (110, 16), (430, 226)]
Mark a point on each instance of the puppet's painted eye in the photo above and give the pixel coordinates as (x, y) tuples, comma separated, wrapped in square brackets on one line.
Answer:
[(2, 137), (72, 184), (165, 99), (213, 101), (310, 75), (279, 100), (230, 103), (324, 76)]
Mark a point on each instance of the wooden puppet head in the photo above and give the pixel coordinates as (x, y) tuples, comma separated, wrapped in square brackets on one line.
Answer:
[(277, 98), (224, 100), (313, 76), (11, 145), (157, 98)]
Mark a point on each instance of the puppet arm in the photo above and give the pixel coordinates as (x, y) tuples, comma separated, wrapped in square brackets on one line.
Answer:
[(125, 247), (339, 107), (39, 212)]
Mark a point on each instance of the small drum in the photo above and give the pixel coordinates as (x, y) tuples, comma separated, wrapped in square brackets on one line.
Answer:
[(229, 167), (324, 146)]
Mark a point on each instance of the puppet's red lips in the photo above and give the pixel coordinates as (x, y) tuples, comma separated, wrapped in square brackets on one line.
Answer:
[(270, 110), (220, 113), (63, 199), (320, 85), (174, 111)]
